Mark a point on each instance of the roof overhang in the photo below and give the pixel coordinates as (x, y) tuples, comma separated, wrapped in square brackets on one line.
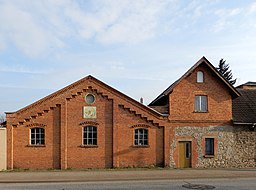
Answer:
[(242, 123)]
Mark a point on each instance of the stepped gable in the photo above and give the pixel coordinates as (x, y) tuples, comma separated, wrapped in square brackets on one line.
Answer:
[(53, 95), (162, 97), (54, 100)]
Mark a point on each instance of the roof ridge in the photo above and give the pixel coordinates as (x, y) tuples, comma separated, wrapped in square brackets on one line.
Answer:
[(200, 61), (52, 95)]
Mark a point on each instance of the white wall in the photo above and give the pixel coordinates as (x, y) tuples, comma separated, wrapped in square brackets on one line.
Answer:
[(2, 149)]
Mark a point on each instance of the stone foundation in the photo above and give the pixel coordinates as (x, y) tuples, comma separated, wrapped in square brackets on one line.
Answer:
[(234, 148)]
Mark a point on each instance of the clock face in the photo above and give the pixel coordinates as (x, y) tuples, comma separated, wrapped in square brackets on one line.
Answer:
[(89, 99)]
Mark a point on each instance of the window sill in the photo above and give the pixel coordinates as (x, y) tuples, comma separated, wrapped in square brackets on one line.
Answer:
[(140, 146), (36, 145), (88, 146), (209, 156), (200, 111)]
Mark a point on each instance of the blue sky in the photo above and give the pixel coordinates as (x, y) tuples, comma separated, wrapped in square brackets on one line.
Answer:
[(139, 47)]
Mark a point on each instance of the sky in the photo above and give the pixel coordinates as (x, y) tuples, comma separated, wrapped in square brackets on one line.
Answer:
[(139, 47)]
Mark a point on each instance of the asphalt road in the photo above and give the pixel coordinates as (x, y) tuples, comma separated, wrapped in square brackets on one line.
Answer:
[(221, 184)]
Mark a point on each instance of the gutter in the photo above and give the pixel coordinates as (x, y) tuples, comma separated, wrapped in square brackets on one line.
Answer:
[(241, 123), (251, 125)]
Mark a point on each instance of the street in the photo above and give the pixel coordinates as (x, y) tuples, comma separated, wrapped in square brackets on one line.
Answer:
[(222, 184)]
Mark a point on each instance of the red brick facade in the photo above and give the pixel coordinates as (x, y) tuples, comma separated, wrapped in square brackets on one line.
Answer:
[(61, 115)]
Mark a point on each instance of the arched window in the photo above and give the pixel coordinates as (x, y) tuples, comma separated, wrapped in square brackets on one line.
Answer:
[(37, 136), (200, 76), (90, 135), (141, 137)]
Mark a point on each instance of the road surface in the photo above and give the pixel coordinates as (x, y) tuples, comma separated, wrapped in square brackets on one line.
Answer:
[(221, 184)]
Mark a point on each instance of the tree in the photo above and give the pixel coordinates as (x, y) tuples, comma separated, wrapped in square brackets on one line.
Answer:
[(2, 119), (223, 69)]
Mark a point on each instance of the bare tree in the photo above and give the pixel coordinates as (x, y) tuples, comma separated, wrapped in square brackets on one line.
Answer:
[(2, 119)]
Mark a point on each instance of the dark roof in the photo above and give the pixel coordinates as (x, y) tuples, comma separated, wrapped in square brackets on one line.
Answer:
[(250, 83), (203, 60), (244, 107)]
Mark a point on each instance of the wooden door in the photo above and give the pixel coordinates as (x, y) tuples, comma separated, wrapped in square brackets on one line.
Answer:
[(185, 154)]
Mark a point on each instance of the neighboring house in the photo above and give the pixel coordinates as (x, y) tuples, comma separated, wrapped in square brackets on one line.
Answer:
[(244, 121), (89, 124)]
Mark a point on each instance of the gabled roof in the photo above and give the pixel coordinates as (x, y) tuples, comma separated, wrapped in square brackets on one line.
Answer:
[(96, 81), (129, 99), (203, 60), (244, 107)]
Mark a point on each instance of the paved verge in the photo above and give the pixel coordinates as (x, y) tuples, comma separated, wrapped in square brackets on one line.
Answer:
[(119, 175)]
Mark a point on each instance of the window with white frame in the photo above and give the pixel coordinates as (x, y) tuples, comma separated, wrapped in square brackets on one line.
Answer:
[(209, 146), (200, 77), (90, 135), (37, 136), (201, 103), (141, 137)]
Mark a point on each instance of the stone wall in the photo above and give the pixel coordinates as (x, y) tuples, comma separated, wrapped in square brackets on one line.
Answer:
[(245, 147), (234, 146)]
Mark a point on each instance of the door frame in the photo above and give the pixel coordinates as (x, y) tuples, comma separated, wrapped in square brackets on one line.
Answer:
[(185, 141)]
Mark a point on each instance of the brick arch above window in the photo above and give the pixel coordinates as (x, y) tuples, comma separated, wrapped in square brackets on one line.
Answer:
[(36, 125), (86, 123), (140, 126)]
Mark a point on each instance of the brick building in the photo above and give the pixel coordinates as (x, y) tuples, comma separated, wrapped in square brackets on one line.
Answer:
[(89, 124)]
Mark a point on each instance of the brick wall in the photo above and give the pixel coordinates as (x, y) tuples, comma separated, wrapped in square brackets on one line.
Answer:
[(183, 97), (129, 155), (61, 116), (99, 156), (244, 153), (188, 125), (117, 116), (29, 156)]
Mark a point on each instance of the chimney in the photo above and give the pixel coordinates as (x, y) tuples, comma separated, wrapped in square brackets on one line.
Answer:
[(141, 100)]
